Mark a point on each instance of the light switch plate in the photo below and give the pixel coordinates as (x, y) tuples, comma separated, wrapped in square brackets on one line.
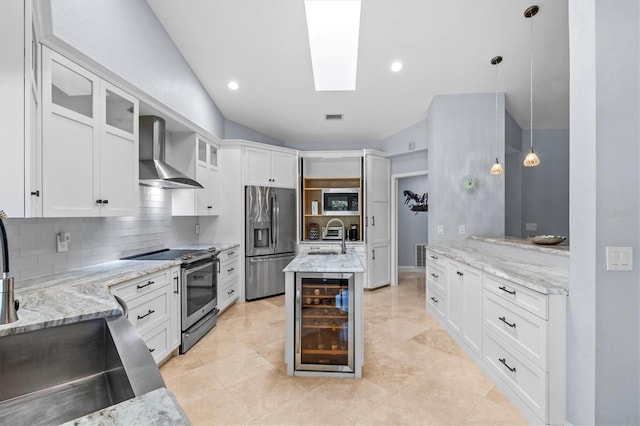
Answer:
[(619, 258), (531, 226), (440, 229), (461, 230)]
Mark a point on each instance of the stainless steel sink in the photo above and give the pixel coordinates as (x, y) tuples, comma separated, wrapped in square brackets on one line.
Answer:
[(57, 374)]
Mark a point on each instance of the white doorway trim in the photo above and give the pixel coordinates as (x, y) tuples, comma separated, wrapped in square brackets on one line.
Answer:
[(394, 220)]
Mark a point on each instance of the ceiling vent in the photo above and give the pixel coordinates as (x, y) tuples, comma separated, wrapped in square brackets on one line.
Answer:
[(333, 117)]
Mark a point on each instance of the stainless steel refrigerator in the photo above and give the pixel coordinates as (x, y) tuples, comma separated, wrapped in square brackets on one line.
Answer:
[(270, 232)]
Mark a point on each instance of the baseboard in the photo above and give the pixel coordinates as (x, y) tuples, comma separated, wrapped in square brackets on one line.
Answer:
[(410, 269)]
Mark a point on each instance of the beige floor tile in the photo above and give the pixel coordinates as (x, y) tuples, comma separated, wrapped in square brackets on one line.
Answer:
[(414, 372)]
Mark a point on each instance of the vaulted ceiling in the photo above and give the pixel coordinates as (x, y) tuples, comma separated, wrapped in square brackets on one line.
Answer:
[(445, 45)]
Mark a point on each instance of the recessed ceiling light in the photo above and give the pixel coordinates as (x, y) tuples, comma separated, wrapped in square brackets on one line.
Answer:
[(333, 28), (233, 85), (396, 66)]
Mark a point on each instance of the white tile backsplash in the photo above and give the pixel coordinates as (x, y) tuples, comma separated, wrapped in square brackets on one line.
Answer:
[(32, 242)]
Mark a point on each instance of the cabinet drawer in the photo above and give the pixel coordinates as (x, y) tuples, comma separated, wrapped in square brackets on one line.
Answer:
[(129, 290), (228, 269), (158, 342), (150, 311), (228, 254), (534, 302), (436, 301), (437, 275), (436, 259), (526, 379), (228, 292), (521, 329)]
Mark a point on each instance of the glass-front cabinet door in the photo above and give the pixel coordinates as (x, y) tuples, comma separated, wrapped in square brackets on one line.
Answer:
[(324, 322)]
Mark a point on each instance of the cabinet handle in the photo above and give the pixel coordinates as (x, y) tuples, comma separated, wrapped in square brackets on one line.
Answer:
[(209, 207), (177, 290), (373, 252), (373, 221), (151, 350), (434, 276), (36, 193), (503, 288), (231, 291), (231, 253), (146, 315), (99, 201), (434, 257), (504, 320), (434, 300), (105, 201), (230, 270), (146, 285), (459, 273), (504, 362)]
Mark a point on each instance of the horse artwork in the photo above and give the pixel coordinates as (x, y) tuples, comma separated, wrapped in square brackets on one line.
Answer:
[(419, 201)]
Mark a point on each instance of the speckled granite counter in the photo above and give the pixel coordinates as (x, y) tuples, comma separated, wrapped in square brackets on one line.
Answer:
[(158, 407), (524, 243), (348, 262), (220, 246), (77, 295), (537, 276)]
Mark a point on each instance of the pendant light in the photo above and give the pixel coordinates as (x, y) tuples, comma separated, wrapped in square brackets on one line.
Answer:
[(497, 168), (531, 160)]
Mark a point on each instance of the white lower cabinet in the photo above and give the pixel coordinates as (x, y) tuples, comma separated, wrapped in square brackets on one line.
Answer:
[(228, 278), (154, 309), (515, 334)]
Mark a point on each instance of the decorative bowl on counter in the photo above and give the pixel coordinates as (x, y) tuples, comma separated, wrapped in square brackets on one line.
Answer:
[(546, 239)]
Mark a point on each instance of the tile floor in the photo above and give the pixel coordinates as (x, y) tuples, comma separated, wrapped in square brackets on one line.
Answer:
[(414, 373)]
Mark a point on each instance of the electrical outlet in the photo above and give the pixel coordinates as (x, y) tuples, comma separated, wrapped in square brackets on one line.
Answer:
[(440, 229), (197, 228), (461, 230), (412, 145), (531, 226), (62, 241), (619, 258)]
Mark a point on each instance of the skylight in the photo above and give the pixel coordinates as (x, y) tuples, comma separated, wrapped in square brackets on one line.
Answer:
[(333, 28)]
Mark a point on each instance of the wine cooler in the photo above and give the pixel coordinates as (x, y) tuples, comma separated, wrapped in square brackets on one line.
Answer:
[(324, 322)]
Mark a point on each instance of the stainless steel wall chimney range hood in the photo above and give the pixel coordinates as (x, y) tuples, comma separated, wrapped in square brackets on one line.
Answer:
[(154, 171)]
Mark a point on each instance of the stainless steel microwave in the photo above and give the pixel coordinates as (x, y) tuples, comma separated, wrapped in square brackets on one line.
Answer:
[(341, 201)]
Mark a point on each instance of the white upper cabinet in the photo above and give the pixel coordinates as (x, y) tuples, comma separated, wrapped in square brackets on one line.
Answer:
[(89, 143), (265, 167), (198, 158)]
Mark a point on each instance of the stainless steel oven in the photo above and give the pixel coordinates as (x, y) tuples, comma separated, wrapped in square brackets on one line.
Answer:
[(198, 288)]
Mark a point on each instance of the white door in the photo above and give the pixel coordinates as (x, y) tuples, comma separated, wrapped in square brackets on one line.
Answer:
[(257, 167), (283, 170), (377, 184), (119, 187), (70, 142)]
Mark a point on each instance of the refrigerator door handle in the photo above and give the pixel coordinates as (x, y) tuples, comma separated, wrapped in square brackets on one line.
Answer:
[(276, 206), (271, 224)]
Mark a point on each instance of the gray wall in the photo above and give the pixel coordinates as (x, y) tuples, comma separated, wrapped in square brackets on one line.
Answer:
[(461, 139), (412, 227), (126, 38), (410, 162), (233, 130), (603, 322), (545, 188), (513, 177), (398, 143), (32, 242)]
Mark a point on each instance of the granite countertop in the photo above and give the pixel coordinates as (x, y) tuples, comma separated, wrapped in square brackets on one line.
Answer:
[(349, 262), (533, 275), (561, 249), (220, 246), (158, 407), (76, 295)]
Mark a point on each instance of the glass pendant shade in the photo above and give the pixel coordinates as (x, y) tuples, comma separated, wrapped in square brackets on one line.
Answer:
[(497, 168), (531, 160)]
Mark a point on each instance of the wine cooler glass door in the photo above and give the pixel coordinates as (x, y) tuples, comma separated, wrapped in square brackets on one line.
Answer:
[(324, 322)]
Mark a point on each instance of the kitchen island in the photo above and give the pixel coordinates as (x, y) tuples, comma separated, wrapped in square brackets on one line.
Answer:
[(324, 315)]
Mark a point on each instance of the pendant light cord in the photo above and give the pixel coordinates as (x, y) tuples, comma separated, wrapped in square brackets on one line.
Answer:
[(496, 112), (531, 86)]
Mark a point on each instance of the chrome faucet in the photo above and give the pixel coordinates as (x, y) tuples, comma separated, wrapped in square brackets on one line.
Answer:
[(344, 244), (8, 305)]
